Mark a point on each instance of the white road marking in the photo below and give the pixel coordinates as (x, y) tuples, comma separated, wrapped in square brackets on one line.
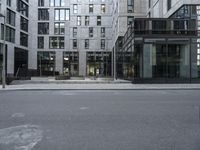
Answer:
[(23, 137), (67, 93), (18, 115), (84, 108)]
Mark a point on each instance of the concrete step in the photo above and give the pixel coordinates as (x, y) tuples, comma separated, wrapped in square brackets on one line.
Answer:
[(52, 80)]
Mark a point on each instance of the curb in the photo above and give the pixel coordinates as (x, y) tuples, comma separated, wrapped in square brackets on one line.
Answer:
[(98, 89)]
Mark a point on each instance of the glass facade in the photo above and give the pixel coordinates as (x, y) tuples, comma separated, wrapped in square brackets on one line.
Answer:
[(56, 42), (46, 63), (61, 14), (43, 14), (10, 18), (161, 50), (43, 28), (22, 8), (99, 64), (23, 24), (23, 39), (71, 63)]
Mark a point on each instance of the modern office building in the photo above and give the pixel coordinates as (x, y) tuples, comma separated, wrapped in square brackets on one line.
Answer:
[(162, 47), (141, 40), (17, 34)]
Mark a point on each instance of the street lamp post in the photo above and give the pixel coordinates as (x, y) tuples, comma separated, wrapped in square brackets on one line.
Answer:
[(4, 53)]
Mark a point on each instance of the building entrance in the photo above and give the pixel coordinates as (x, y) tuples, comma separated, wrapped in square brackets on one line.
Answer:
[(21, 62), (99, 64)]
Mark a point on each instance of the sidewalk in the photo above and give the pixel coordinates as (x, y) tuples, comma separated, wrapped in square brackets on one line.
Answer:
[(101, 86)]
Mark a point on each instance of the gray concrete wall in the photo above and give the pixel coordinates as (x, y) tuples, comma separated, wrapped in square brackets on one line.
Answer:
[(147, 61), (185, 63), (82, 63), (114, 20), (11, 46)]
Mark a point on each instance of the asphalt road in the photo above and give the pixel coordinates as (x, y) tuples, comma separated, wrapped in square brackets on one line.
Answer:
[(100, 120)]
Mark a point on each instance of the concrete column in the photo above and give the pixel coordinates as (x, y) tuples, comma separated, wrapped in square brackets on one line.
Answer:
[(10, 59), (32, 59), (184, 64), (82, 63), (147, 62), (59, 61), (194, 60), (141, 61)]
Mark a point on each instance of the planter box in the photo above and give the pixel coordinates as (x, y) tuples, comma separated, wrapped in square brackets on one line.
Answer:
[(77, 78), (62, 77)]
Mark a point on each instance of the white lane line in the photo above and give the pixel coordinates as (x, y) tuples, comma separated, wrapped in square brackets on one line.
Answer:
[(18, 115), (84, 108), (23, 137)]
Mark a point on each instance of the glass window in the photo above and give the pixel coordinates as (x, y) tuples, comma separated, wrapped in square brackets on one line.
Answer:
[(74, 43), (23, 39), (61, 14), (40, 42), (57, 2), (10, 34), (62, 28), (2, 32), (98, 20), (9, 3), (56, 42), (102, 43), (98, 64), (87, 20), (56, 28), (46, 63), (130, 6), (103, 8), (57, 14), (74, 32), (10, 18), (24, 24), (67, 14), (43, 14), (86, 43), (62, 3), (103, 32), (169, 3), (59, 28), (70, 63), (22, 8), (91, 7), (130, 20), (40, 2), (51, 2), (90, 31), (75, 8), (78, 20), (43, 28)]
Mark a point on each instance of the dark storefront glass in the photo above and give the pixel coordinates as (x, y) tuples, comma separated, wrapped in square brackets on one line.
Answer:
[(99, 64), (46, 63), (160, 49), (71, 63)]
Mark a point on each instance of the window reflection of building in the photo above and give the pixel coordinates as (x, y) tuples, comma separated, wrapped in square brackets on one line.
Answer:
[(99, 64), (142, 54), (46, 63), (198, 40), (71, 63)]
